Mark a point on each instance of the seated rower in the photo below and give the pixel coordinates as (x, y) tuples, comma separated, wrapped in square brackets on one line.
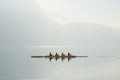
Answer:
[(56, 55), (69, 55), (62, 55), (50, 55)]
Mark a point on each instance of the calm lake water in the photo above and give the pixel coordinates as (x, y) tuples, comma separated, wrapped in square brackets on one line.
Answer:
[(101, 64)]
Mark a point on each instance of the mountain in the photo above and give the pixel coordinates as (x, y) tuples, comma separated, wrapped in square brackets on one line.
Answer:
[(89, 34)]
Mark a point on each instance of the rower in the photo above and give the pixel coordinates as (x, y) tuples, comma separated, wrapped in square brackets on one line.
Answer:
[(69, 55), (50, 55), (62, 55), (56, 55)]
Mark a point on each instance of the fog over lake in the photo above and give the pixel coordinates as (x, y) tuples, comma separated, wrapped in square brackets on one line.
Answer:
[(25, 31)]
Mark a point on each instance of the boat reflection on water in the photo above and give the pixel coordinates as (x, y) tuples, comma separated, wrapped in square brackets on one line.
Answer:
[(57, 56)]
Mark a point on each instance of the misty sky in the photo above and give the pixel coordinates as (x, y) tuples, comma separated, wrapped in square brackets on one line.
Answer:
[(60, 22), (106, 12)]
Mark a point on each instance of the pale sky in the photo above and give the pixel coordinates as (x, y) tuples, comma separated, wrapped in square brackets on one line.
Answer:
[(85, 23), (105, 12)]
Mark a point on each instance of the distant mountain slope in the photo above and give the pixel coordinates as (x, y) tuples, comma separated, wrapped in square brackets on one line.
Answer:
[(88, 34)]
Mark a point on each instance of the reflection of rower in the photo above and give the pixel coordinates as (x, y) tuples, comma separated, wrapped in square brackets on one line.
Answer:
[(50, 58), (62, 58), (69, 58)]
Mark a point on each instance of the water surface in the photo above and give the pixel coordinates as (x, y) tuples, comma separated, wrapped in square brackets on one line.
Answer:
[(101, 64)]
